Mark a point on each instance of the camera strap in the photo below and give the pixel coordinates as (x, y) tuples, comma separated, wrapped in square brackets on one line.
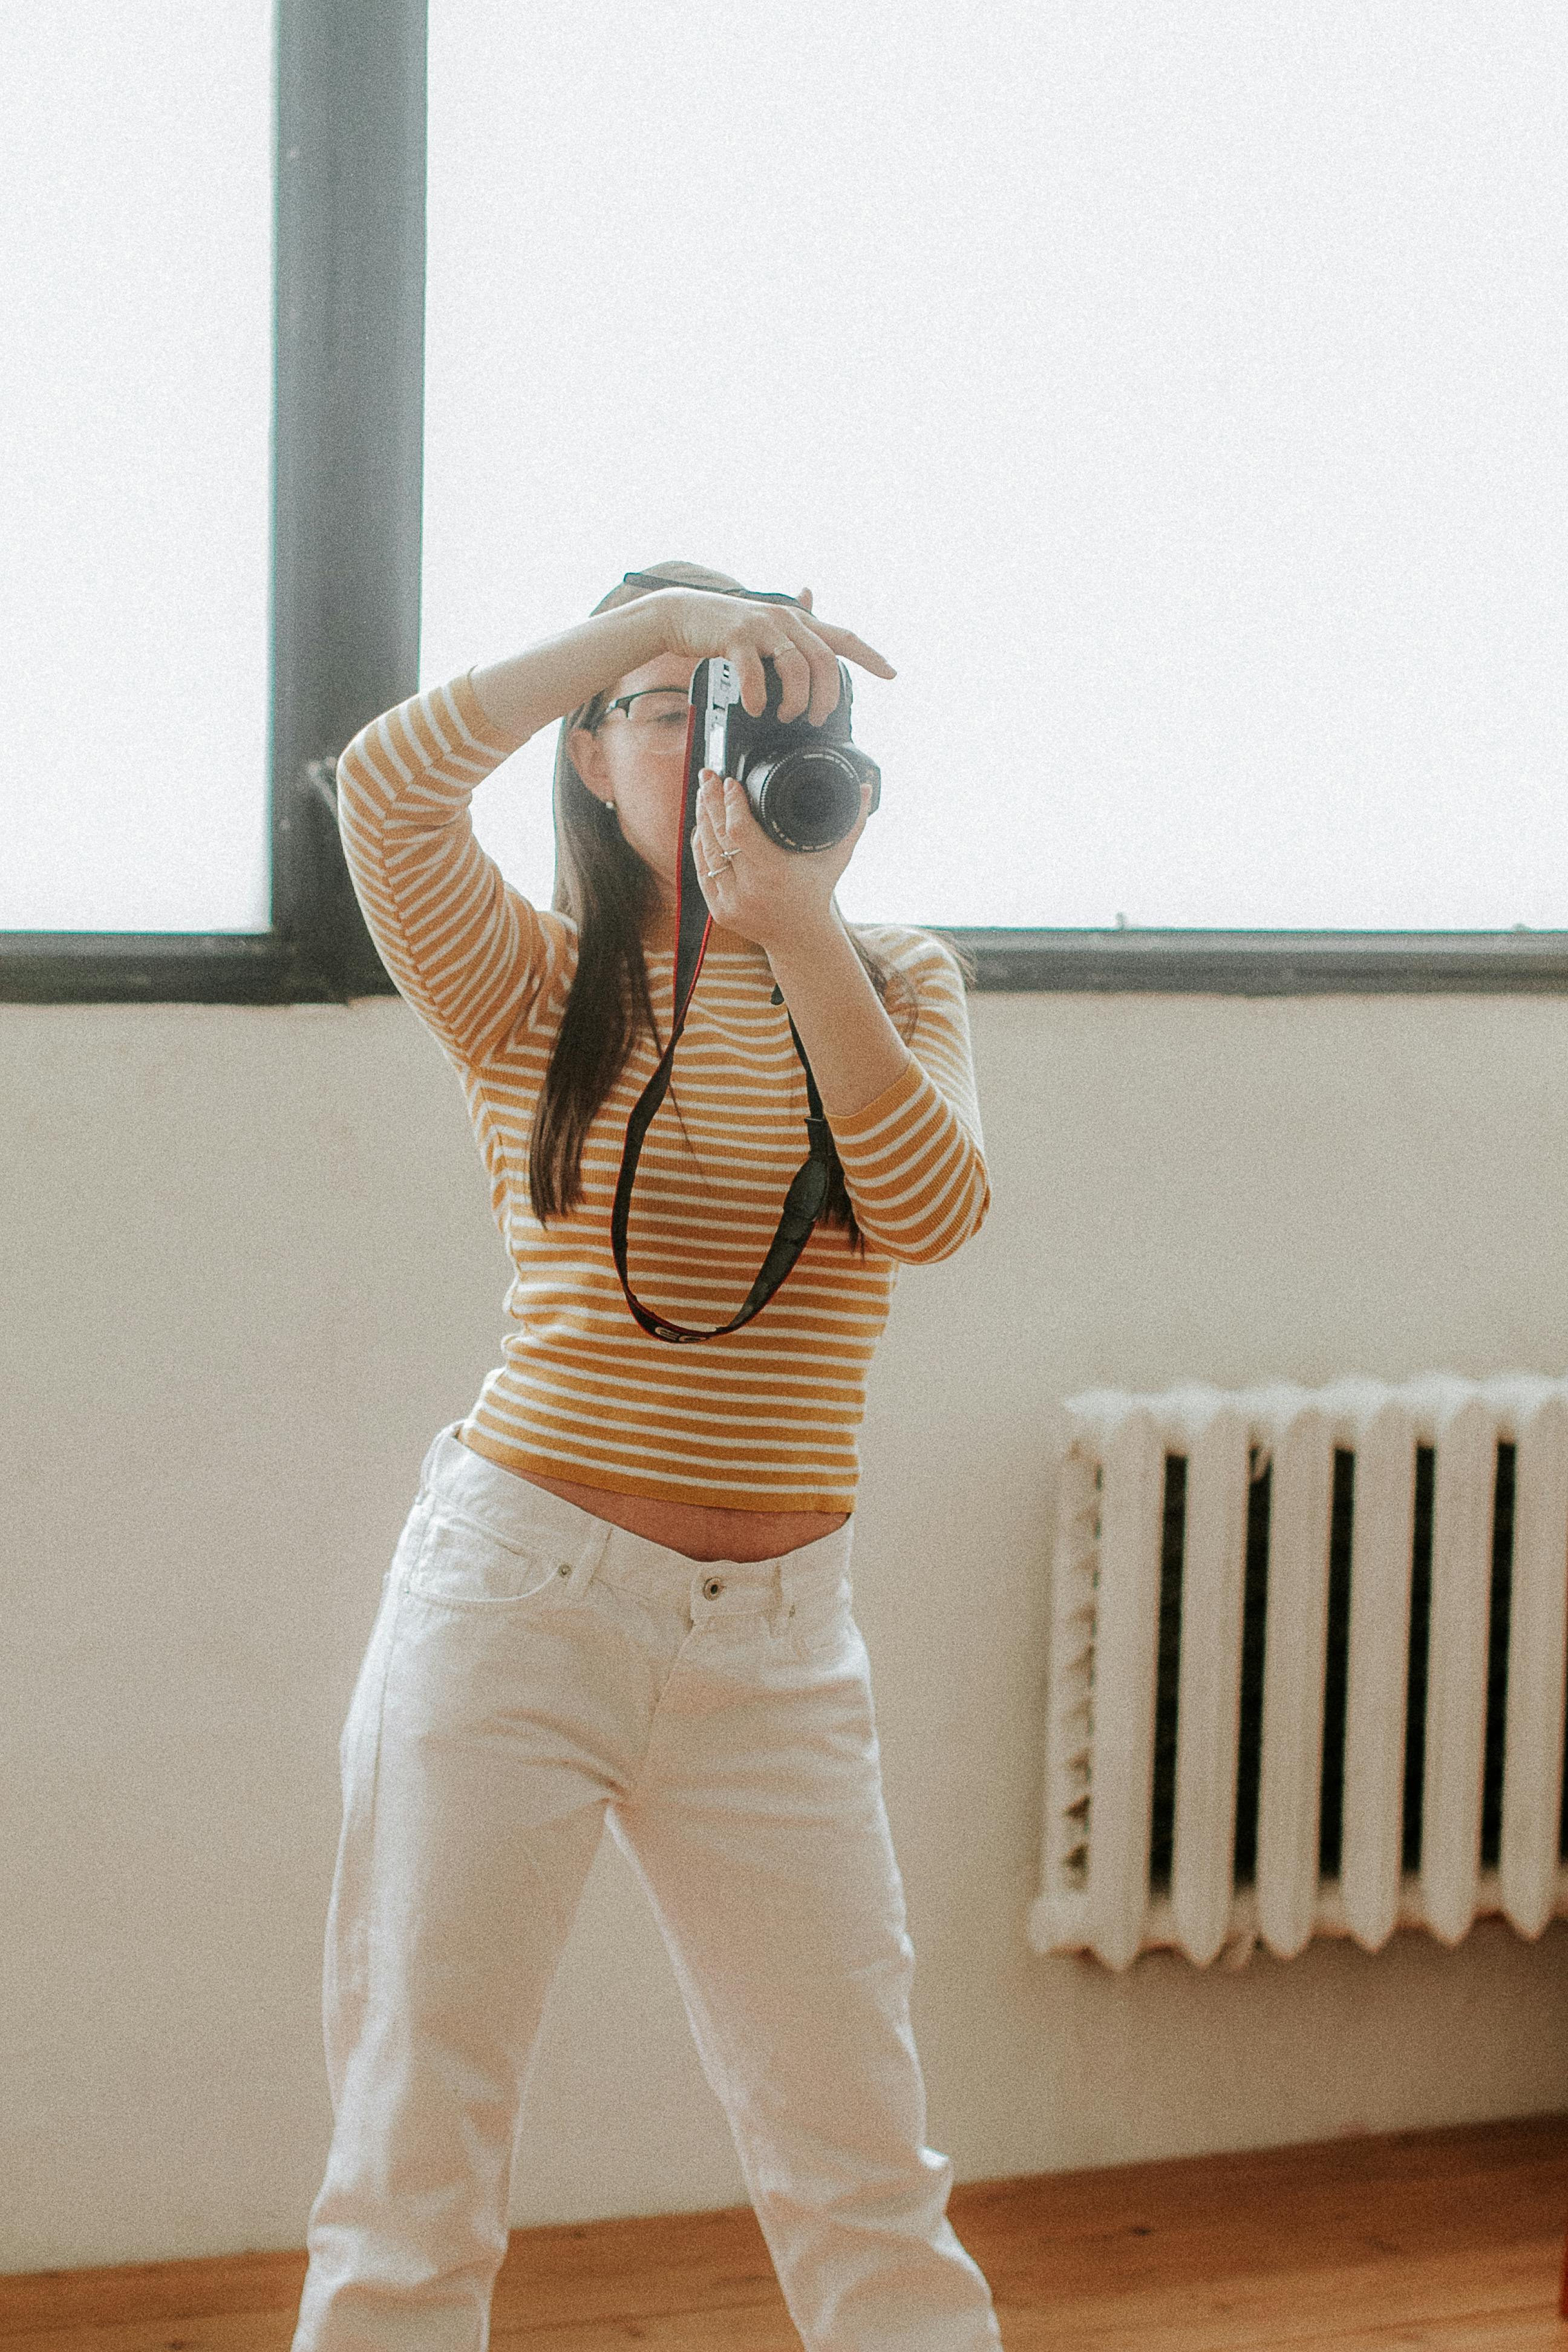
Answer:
[(808, 1188)]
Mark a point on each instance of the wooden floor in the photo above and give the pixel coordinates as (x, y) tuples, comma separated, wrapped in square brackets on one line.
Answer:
[(1449, 2240)]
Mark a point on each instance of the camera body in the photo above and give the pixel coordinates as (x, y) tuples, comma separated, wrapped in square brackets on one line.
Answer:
[(803, 781)]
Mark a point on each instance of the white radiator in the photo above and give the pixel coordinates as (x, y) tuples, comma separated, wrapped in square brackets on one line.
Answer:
[(1307, 1667)]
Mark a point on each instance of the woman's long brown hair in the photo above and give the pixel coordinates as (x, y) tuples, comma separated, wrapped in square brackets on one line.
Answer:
[(602, 886)]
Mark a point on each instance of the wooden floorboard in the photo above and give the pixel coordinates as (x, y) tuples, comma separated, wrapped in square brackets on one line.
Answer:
[(1449, 2241)]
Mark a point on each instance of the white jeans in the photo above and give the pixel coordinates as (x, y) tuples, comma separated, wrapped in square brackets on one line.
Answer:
[(534, 1672)]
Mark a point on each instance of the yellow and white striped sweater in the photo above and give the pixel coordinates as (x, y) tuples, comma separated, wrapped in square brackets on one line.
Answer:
[(765, 1419)]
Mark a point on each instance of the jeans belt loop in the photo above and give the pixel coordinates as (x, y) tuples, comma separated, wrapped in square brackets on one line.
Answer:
[(782, 1616), (590, 1559)]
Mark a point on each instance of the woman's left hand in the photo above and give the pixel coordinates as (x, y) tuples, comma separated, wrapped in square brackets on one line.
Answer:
[(775, 897)]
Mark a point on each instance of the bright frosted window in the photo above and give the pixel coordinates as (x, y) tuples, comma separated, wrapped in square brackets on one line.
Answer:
[(1174, 395), (135, 406)]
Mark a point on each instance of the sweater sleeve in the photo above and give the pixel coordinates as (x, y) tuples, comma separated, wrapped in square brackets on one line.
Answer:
[(468, 951), (914, 1159)]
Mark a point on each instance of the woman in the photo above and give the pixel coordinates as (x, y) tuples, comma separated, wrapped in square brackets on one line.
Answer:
[(623, 1592)]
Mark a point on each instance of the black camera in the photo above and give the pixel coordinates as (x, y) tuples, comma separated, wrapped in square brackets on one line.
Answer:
[(803, 781)]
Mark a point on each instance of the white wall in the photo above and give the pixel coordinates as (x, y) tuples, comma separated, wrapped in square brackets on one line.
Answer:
[(250, 1271)]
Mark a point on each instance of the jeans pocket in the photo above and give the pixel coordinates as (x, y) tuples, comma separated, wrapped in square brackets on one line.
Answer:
[(464, 1566), (822, 1619)]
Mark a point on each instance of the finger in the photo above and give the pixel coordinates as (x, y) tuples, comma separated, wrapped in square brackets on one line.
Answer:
[(827, 688), (706, 845), (708, 803), (823, 685), (748, 660), (737, 813), (805, 598), (703, 829), (854, 648), (797, 679), (709, 872)]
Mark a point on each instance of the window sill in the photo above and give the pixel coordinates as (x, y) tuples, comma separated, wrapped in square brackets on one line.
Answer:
[(232, 968), (1268, 963)]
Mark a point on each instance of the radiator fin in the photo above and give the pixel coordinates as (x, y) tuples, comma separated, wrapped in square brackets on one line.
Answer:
[(1291, 1775), (1534, 1836)]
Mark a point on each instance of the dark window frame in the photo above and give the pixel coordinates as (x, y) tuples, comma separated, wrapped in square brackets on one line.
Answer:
[(349, 400)]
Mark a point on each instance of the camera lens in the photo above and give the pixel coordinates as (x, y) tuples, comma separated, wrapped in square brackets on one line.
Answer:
[(806, 800)]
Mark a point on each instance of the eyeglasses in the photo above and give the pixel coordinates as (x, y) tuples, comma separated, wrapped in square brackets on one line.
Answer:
[(753, 595), (662, 718)]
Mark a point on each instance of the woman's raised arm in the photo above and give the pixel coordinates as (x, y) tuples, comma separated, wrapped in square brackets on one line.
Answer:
[(532, 690), (466, 949)]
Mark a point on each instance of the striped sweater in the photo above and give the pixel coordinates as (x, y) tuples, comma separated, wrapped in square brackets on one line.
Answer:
[(765, 1418)]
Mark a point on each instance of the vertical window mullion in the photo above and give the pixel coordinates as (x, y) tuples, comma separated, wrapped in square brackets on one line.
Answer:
[(349, 311)]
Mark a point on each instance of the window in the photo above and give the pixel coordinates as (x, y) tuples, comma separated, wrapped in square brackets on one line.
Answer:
[(158, 502), (1170, 397), (138, 187)]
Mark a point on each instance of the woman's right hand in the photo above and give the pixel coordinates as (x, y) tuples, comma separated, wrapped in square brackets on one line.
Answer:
[(704, 626)]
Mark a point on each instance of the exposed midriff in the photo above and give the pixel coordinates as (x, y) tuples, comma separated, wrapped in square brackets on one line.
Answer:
[(700, 1531)]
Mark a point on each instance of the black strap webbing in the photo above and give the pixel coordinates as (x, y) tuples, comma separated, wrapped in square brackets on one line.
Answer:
[(808, 1189)]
